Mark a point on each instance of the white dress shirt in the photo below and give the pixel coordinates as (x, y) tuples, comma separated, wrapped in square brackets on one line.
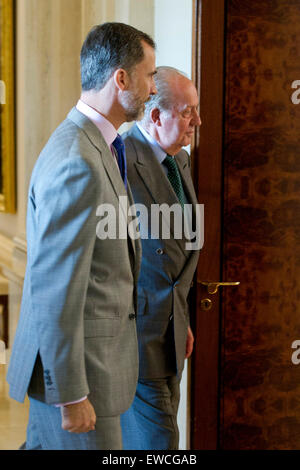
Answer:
[(161, 154)]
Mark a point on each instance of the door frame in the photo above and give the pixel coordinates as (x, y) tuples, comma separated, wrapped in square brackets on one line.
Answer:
[(207, 155)]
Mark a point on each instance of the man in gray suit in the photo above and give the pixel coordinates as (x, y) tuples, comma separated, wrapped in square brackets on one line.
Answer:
[(159, 172), (75, 349)]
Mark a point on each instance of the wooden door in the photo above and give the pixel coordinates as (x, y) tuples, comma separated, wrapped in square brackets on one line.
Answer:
[(245, 387)]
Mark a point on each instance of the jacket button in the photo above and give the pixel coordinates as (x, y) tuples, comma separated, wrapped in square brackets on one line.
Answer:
[(159, 251), (132, 316), (171, 316)]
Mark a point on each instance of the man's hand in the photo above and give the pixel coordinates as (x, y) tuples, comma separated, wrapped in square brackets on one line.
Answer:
[(189, 343), (79, 417)]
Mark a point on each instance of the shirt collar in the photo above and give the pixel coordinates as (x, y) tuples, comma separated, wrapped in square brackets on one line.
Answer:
[(105, 127), (158, 151)]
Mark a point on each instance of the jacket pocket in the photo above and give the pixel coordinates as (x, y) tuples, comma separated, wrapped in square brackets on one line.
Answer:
[(97, 327)]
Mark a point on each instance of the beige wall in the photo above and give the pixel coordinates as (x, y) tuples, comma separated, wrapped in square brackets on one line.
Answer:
[(49, 36)]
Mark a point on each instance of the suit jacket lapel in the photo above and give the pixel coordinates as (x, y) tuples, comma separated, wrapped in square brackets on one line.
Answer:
[(96, 138), (112, 170), (151, 172), (131, 203), (154, 178), (136, 243), (185, 172)]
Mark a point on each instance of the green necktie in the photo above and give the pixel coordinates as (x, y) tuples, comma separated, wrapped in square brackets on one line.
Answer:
[(174, 178)]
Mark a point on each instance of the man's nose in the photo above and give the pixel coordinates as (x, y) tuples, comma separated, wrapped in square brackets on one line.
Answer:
[(196, 119)]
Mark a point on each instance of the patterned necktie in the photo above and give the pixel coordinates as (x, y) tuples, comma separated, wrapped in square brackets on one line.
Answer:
[(120, 149), (174, 178)]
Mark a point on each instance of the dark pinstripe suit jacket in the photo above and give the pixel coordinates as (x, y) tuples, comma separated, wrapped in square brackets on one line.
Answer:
[(167, 266)]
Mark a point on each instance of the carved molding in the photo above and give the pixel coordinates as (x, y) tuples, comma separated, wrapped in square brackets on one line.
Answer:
[(6, 251)]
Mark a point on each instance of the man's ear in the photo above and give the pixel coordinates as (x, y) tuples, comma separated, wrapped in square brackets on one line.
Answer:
[(155, 116), (121, 79)]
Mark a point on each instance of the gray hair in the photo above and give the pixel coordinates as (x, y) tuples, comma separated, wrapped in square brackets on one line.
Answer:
[(107, 47), (164, 99)]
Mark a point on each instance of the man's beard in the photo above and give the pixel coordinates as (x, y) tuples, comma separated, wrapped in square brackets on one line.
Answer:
[(133, 106)]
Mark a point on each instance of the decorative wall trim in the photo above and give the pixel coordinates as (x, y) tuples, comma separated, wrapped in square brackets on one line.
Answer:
[(6, 251), (13, 254), (20, 242)]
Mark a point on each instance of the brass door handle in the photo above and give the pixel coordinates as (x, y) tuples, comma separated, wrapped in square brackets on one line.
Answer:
[(212, 287)]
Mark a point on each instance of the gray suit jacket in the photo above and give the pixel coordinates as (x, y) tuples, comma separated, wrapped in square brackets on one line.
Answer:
[(167, 267), (76, 334)]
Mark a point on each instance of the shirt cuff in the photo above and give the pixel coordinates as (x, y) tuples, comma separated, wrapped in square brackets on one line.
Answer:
[(71, 402)]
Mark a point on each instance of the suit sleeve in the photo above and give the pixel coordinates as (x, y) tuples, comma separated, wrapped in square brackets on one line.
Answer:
[(60, 263)]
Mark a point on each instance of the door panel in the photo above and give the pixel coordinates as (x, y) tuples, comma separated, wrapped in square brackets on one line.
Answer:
[(207, 164), (248, 165)]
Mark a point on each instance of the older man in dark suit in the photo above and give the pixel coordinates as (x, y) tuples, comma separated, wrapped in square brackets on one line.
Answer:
[(159, 171)]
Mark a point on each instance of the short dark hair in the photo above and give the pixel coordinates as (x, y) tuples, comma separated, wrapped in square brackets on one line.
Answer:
[(107, 47)]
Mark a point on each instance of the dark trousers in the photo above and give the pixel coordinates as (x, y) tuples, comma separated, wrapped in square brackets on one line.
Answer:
[(151, 421)]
